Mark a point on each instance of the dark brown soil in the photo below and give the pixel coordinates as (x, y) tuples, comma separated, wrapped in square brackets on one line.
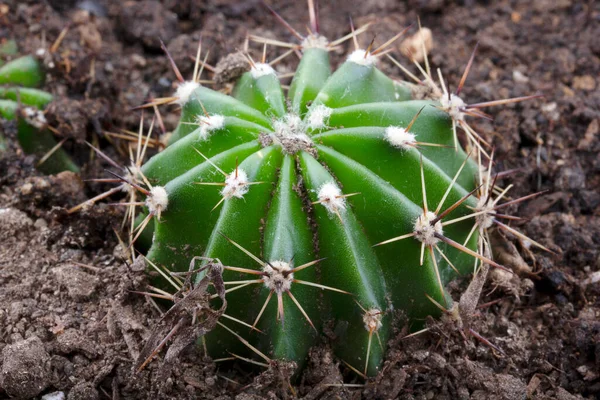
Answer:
[(76, 329)]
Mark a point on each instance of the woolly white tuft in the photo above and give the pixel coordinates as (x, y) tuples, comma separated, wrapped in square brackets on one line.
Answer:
[(315, 42), (425, 232), (260, 69), (453, 106), (35, 117), (372, 320), (318, 117), (184, 91), (158, 200), (236, 186), (275, 278), (330, 197), (399, 137), (209, 124), (133, 174), (361, 57), (485, 220)]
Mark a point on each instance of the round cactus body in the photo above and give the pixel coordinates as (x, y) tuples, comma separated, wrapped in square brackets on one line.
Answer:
[(325, 204)]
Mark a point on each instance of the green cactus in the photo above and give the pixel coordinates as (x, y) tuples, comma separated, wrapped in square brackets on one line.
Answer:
[(328, 173), (21, 100), (341, 203)]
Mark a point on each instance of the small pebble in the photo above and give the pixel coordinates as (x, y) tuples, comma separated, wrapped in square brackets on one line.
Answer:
[(54, 396)]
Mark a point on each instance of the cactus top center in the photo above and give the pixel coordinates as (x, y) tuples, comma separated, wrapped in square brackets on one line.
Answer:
[(290, 134)]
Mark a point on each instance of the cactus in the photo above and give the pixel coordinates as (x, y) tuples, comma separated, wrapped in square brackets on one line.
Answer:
[(333, 173), (20, 100), (339, 204)]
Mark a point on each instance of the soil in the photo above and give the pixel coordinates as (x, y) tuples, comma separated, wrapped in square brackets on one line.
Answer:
[(69, 321)]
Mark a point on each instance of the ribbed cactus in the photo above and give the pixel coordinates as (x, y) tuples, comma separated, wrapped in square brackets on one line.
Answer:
[(21, 100), (341, 203), (346, 162)]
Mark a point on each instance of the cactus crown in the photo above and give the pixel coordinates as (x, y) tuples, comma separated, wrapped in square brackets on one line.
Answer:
[(342, 201)]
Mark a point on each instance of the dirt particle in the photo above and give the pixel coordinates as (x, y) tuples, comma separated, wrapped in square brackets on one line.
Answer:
[(519, 77), (88, 31), (25, 368), (570, 178), (80, 285), (71, 118), (68, 184), (72, 341), (591, 135), (13, 221), (83, 391)]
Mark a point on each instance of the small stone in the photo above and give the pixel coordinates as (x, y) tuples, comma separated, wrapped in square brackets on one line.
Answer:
[(210, 381), (570, 178), (585, 82), (54, 396), (164, 82), (13, 220), (519, 77), (72, 341), (591, 133), (26, 188), (420, 355), (40, 223), (551, 111), (138, 61), (413, 45)]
